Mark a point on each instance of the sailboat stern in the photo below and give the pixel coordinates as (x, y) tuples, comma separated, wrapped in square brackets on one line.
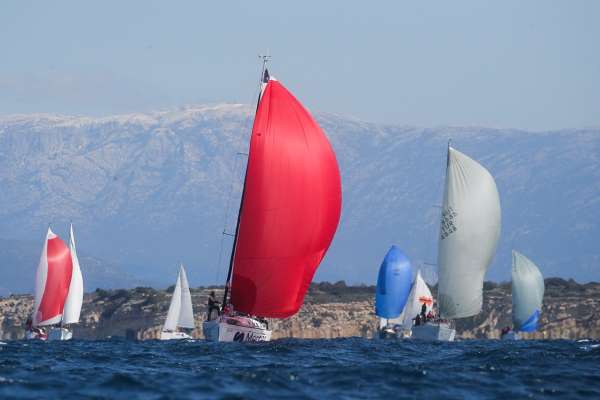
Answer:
[(441, 331), (60, 333), (173, 335)]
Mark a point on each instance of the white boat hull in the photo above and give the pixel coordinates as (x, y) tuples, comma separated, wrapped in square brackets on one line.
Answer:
[(511, 336), (165, 335), (60, 334), (395, 334), (31, 335), (434, 331), (404, 334), (386, 334), (220, 330)]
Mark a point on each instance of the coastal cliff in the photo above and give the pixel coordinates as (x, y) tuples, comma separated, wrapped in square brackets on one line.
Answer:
[(571, 311)]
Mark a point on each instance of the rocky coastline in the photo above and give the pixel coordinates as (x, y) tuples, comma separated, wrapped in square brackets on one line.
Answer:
[(571, 311)]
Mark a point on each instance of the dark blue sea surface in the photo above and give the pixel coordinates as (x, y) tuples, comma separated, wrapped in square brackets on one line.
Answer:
[(317, 369)]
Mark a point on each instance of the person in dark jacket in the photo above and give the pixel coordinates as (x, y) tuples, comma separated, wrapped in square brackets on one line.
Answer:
[(213, 304)]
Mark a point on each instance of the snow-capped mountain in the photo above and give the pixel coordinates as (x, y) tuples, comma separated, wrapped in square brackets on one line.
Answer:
[(148, 191)]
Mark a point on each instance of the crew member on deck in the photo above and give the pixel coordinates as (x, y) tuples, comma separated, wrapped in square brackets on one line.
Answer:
[(424, 312), (213, 304), (38, 332), (430, 316)]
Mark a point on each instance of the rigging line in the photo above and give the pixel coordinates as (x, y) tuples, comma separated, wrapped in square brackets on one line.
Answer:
[(246, 128), (219, 261), (226, 217), (441, 206), (239, 215)]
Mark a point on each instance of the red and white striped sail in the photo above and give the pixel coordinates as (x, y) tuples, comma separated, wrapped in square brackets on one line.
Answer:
[(52, 281), (291, 207)]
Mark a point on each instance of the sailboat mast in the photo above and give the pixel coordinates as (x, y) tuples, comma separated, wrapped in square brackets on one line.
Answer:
[(265, 59)]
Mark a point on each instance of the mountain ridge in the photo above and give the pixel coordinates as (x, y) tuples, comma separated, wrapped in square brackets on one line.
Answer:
[(149, 190)]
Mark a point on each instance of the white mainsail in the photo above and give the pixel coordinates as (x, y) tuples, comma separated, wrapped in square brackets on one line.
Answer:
[(74, 300), (419, 295), (180, 312), (186, 313), (527, 292), (469, 232)]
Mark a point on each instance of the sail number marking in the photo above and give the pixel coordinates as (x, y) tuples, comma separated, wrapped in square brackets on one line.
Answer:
[(448, 223)]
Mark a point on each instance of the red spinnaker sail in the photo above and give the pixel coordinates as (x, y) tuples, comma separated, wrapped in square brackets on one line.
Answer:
[(55, 270), (291, 208)]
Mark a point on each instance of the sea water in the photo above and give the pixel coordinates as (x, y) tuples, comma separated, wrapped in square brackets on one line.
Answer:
[(353, 368)]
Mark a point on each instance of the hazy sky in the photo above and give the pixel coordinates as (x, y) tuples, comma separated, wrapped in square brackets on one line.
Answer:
[(523, 64)]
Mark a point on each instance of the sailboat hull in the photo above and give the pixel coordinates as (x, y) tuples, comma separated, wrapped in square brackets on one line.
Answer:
[(388, 333), (32, 335), (60, 334), (512, 335), (224, 330), (434, 331), (166, 335)]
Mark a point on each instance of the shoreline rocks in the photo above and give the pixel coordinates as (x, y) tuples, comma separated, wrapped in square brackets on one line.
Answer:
[(571, 311)]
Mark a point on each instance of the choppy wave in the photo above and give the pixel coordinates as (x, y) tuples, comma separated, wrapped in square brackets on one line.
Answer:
[(352, 368)]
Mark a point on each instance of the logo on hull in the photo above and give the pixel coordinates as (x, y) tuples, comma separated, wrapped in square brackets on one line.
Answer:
[(238, 337), (249, 337)]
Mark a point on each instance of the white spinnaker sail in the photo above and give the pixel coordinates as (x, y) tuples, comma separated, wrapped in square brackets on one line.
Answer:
[(419, 295), (74, 300), (40, 279), (469, 232), (186, 313), (527, 289), (174, 307)]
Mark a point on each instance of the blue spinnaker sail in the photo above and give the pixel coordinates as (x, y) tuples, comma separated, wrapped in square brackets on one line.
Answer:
[(393, 284), (531, 324)]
